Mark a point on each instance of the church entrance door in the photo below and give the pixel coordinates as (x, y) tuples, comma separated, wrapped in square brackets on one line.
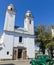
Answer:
[(19, 53)]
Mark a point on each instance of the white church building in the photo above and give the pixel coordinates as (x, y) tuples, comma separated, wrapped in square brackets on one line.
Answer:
[(17, 42)]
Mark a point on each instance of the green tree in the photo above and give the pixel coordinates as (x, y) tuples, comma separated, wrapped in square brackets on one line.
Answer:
[(50, 47), (43, 36)]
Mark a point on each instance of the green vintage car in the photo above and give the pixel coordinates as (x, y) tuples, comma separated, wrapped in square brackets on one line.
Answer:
[(42, 60)]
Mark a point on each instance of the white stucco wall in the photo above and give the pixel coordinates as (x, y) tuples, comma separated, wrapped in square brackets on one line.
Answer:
[(27, 42), (30, 47), (16, 40), (7, 47), (9, 21), (29, 27), (11, 40)]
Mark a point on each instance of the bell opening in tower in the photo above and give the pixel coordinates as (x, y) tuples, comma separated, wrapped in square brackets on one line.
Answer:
[(11, 9)]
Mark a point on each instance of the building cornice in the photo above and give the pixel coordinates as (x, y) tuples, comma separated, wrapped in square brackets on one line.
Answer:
[(18, 32)]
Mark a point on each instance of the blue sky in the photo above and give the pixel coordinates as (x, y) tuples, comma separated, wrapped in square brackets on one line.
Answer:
[(42, 10)]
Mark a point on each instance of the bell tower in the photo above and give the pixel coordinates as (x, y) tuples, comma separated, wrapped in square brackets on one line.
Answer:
[(10, 18), (29, 22)]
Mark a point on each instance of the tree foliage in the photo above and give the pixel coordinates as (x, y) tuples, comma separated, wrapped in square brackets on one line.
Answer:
[(43, 36)]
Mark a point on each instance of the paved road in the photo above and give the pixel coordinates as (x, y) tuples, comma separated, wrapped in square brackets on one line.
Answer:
[(14, 62)]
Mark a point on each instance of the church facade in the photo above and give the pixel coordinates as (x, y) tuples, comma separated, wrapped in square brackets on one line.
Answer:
[(17, 42)]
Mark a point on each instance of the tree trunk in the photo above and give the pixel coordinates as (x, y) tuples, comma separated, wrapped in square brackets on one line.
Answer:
[(51, 51), (42, 47)]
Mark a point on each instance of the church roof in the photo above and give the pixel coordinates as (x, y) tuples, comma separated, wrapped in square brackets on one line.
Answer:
[(28, 14), (11, 7), (20, 30)]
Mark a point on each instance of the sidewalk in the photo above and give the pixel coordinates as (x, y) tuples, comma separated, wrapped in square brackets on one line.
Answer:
[(15, 62)]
